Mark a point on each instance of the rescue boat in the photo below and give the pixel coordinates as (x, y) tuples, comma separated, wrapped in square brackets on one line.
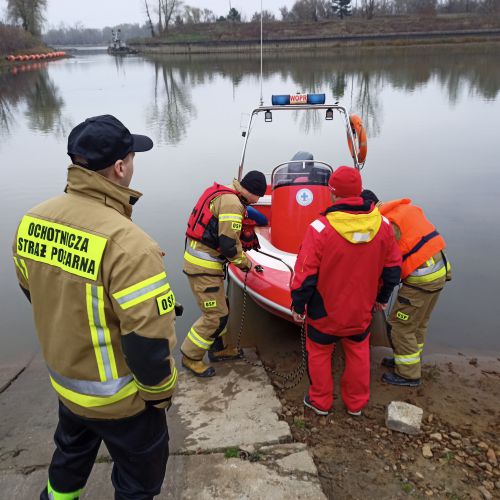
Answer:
[(296, 194)]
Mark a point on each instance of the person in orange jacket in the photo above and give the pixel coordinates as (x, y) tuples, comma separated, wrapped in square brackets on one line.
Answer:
[(424, 273)]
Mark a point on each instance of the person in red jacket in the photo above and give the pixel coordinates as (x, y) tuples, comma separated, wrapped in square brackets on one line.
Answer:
[(347, 266)]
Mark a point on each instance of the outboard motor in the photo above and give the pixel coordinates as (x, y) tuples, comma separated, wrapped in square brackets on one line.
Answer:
[(299, 194)]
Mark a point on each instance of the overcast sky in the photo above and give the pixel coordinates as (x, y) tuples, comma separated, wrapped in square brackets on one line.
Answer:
[(100, 13)]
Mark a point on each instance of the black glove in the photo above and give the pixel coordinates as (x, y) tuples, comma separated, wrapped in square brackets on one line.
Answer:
[(179, 309)]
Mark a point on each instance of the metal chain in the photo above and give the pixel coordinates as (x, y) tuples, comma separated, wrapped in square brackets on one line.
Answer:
[(295, 376)]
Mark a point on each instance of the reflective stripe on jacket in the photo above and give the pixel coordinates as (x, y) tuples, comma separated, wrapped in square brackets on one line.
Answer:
[(201, 258), (102, 304), (431, 270), (419, 241)]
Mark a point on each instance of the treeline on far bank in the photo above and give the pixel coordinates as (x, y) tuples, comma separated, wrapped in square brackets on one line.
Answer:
[(15, 40)]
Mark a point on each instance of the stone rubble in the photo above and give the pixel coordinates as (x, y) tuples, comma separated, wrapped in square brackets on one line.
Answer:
[(404, 417), (427, 451)]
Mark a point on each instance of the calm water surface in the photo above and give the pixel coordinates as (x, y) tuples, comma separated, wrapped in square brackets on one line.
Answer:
[(432, 116)]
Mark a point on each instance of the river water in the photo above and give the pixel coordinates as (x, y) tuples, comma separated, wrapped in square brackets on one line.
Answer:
[(432, 117)]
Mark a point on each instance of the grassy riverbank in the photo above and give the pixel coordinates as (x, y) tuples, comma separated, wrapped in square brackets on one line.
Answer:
[(397, 28)]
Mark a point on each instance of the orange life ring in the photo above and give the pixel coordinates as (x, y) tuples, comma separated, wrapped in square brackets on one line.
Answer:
[(360, 140)]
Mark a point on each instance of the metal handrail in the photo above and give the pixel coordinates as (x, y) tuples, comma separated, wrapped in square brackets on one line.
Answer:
[(293, 107)]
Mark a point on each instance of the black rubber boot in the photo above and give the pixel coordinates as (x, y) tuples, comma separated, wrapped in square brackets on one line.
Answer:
[(394, 379)]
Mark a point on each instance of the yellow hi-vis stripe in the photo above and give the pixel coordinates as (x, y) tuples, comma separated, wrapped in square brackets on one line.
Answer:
[(420, 348), (93, 333), (427, 278), (21, 267), (170, 384), (107, 335), (142, 291), (202, 262), (101, 338), (199, 341), (55, 495), (230, 217), (92, 401), (411, 359)]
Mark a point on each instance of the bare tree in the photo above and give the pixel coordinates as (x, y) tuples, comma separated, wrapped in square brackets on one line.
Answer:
[(168, 8), (491, 6), (267, 16), (368, 8), (285, 13), (151, 25), (307, 10), (208, 16), (192, 15), (29, 13)]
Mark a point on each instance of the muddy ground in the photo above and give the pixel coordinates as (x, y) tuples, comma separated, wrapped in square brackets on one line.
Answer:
[(358, 457)]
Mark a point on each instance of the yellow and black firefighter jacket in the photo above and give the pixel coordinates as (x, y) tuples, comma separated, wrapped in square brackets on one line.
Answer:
[(102, 305), (200, 259)]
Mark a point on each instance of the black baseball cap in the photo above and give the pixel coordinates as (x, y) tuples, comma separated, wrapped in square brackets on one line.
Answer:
[(102, 140)]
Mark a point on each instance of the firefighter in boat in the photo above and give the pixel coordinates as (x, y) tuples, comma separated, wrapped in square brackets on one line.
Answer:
[(212, 241)]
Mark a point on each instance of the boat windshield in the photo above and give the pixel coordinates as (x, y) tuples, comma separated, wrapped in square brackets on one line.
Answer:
[(301, 172)]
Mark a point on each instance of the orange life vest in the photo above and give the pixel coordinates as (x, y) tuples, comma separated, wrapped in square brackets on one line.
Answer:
[(419, 238)]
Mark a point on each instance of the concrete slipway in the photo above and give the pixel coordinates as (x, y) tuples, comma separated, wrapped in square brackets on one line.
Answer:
[(235, 409)]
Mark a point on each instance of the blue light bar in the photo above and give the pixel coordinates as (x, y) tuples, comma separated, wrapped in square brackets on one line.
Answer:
[(280, 100), (292, 99), (316, 99)]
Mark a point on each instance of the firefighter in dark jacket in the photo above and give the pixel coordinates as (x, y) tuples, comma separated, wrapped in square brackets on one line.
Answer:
[(425, 270), (212, 241), (345, 255)]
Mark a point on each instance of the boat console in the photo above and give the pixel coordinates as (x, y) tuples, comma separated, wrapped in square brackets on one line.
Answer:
[(299, 193)]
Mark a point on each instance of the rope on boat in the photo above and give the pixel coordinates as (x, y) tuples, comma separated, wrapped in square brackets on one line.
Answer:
[(281, 260)]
